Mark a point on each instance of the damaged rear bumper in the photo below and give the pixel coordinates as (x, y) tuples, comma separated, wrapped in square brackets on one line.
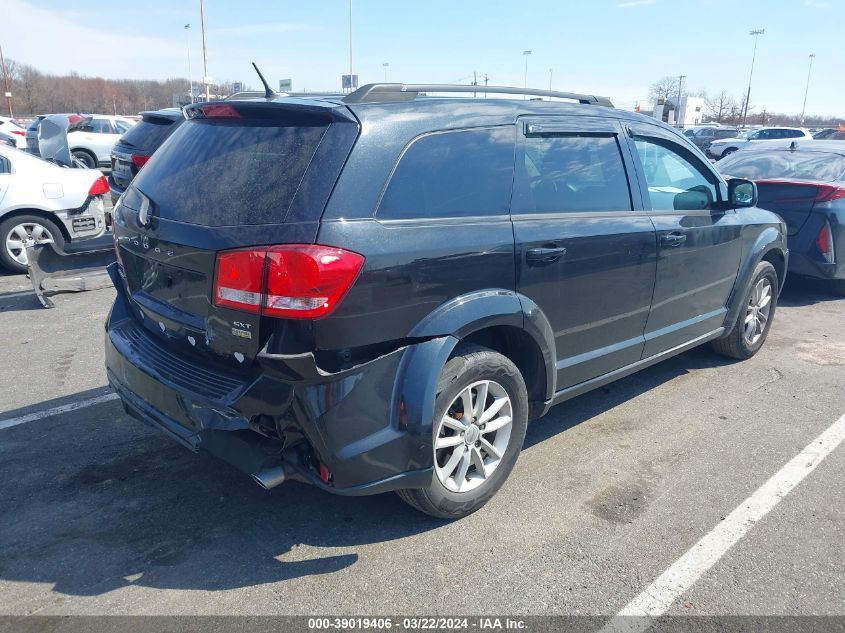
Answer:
[(350, 424)]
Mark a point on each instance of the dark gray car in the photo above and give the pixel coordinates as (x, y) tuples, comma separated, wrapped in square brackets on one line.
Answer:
[(706, 135), (377, 292)]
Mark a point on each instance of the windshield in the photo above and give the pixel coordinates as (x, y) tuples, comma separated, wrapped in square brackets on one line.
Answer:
[(784, 165)]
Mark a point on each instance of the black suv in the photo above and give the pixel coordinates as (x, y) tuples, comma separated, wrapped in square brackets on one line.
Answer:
[(133, 149), (377, 292)]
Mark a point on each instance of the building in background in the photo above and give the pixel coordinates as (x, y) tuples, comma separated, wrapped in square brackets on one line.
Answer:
[(690, 112)]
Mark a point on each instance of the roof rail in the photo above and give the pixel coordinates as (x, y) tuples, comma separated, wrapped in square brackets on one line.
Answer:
[(385, 93)]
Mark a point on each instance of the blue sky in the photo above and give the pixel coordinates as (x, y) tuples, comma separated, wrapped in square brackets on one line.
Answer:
[(608, 47)]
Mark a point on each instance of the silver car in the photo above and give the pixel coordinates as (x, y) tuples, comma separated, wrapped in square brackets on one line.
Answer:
[(41, 202)]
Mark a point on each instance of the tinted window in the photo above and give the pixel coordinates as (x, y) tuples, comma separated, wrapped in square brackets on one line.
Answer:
[(570, 173), (669, 173), (452, 174), (784, 165), (706, 133), (791, 134), (148, 133), (726, 133), (224, 172), (98, 126), (5, 165)]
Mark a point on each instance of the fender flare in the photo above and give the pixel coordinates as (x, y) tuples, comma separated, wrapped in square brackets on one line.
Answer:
[(770, 239), (415, 385)]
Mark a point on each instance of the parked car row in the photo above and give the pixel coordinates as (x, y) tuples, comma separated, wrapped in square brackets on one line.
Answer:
[(92, 144)]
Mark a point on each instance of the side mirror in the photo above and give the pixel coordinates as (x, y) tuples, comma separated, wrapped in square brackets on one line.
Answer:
[(742, 193)]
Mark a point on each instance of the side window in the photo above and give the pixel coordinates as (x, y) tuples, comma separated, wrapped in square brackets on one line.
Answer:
[(458, 173), (122, 127), (5, 165), (792, 133), (98, 126), (674, 182), (561, 173)]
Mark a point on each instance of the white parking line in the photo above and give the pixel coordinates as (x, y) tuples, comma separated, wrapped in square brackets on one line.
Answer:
[(656, 599), (71, 406)]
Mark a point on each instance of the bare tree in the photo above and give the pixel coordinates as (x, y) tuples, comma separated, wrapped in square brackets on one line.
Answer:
[(663, 89), (720, 106)]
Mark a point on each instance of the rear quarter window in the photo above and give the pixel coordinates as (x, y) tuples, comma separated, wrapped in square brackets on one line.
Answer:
[(458, 173)]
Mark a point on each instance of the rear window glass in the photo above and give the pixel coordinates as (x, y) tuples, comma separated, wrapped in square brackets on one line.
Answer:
[(452, 174), (232, 172), (784, 165), (148, 133)]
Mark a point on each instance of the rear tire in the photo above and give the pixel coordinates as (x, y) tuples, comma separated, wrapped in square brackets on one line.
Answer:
[(727, 152), (476, 371), (13, 233), (754, 320), (85, 157)]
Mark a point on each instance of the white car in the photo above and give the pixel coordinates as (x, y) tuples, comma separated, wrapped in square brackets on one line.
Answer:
[(9, 126), (92, 144), (42, 202), (725, 146)]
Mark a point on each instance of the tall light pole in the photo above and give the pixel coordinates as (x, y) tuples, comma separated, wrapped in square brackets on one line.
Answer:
[(551, 70), (678, 107), (756, 33), (526, 54), (807, 89), (190, 76), (205, 78), (385, 65)]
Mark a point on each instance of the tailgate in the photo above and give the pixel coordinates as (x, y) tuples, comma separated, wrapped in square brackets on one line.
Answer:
[(259, 176)]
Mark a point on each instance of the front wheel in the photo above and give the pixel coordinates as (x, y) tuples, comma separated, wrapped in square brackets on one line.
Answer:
[(481, 413), (754, 321)]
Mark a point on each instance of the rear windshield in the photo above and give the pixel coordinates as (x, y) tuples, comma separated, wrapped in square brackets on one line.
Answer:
[(227, 172), (784, 165), (148, 133)]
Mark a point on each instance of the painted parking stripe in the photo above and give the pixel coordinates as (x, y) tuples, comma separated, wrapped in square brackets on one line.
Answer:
[(71, 406), (671, 584)]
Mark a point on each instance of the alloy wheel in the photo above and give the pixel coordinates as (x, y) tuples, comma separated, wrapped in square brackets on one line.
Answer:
[(757, 313), (22, 234), (472, 436)]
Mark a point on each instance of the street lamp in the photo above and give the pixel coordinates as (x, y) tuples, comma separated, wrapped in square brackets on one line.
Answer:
[(678, 123), (526, 54), (385, 65), (756, 33), (190, 75), (205, 78), (807, 89), (551, 70)]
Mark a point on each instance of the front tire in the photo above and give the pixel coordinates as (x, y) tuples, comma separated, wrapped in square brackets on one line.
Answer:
[(16, 231), (480, 417), (754, 321)]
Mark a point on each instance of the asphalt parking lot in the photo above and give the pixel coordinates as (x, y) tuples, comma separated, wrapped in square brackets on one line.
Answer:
[(100, 515)]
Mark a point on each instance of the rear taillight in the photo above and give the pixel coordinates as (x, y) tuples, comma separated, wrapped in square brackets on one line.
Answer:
[(19, 132), (824, 240), (139, 160), (100, 186), (826, 193), (295, 281)]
